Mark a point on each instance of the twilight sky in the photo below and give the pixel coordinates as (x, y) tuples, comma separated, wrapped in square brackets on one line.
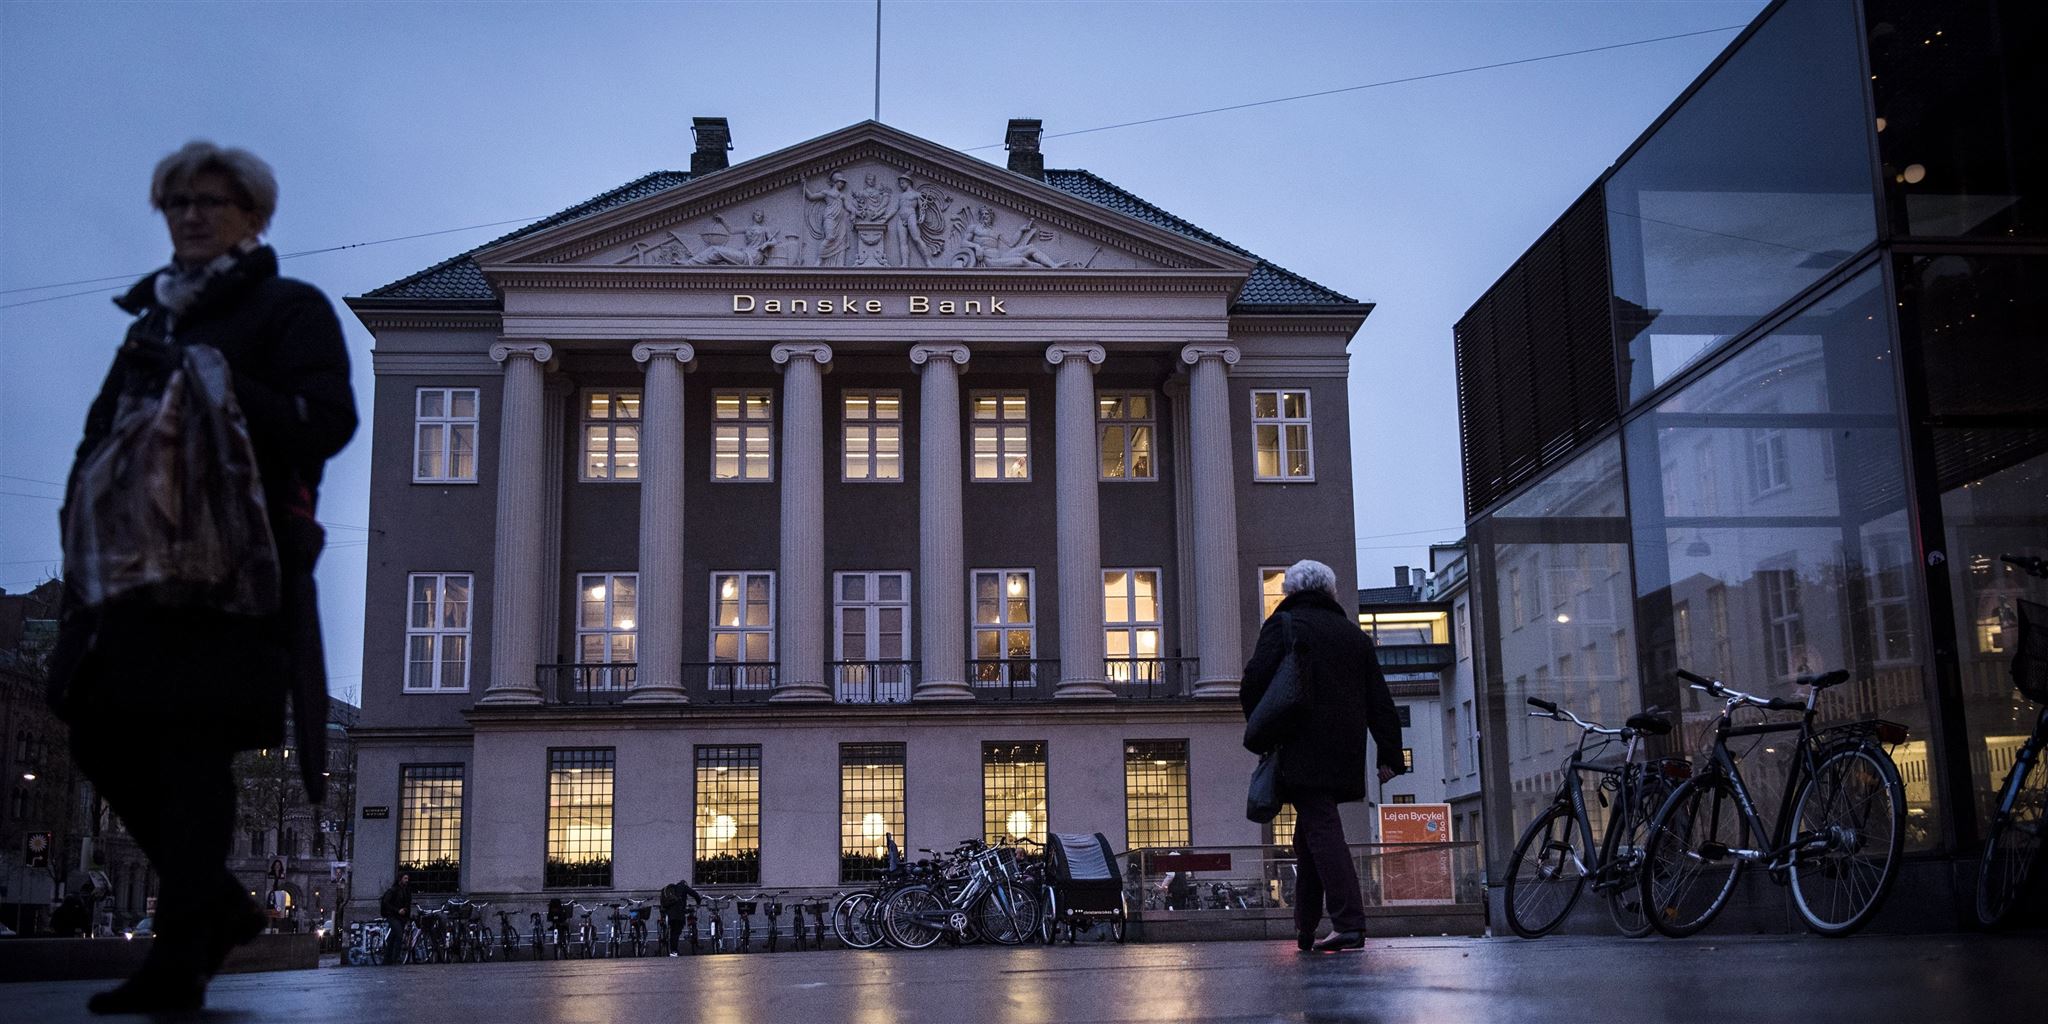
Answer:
[(393, 119)]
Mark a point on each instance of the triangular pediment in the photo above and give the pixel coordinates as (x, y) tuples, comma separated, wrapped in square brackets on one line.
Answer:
[(868, 197)]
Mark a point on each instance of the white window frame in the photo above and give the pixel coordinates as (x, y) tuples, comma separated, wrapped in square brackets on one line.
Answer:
[(1784, 618), (870, 606), (1001, 424), (743, 577), (1003, 625), (745, 431), (1880, 551), (1770, 461), (869, 454), (1105, 423), (437, 632), (1131, 625), (1270, 597), (446, 426), (1280, 422), (611, 630), (609, 423)]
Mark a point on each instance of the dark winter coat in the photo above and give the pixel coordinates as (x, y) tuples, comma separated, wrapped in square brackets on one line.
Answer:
[(1347, 697), (221, 679)]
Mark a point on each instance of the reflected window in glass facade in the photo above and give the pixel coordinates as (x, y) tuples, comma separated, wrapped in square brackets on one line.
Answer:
[(1756, 187)]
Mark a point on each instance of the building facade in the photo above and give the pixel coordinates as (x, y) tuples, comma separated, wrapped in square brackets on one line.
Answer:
[(737, 519), (1754, 407)]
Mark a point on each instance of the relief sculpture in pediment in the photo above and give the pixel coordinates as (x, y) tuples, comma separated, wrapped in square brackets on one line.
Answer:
[(914, 224)]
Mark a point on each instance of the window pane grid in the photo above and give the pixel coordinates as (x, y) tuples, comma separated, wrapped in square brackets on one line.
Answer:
[(1131, 621), (742, 619), (742, 435), (579, 850), (1124, 431), (1280, 436), (1156, 793), (611, 435), (1013, 791), (1003, 623), (1002, 436), (728, 790), (871, 781), (871, 435), (430, 826), (437, 632), (444, 435)]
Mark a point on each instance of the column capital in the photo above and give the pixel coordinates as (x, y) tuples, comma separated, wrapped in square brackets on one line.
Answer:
[(789, 350), (1192, 354), (682, 351), (1059, 353), (922, 353), (541, 351)]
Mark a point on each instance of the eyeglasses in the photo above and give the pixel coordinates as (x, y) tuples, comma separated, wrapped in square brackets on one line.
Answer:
[(178, 204)]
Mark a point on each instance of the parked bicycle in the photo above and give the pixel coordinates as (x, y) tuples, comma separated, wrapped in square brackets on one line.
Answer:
[(429, 934), (977, 894), (1839, 832), (716, 935), (2012, 843), (772, 904), (1557, 856), (508, 936), (815, 906)]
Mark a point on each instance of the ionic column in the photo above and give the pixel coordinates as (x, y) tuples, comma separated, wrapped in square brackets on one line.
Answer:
[(1077, 517), (515, 565), (941, 563), (800, 626), (1219, 631), (660, 677)]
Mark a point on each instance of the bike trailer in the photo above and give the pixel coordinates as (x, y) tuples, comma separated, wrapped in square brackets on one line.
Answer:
[(1082, 871)]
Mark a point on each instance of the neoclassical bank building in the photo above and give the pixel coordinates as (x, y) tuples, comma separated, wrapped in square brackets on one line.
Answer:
[(734, 519)]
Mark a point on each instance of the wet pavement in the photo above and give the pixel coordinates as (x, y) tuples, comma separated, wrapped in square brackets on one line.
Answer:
[(1444, 981)]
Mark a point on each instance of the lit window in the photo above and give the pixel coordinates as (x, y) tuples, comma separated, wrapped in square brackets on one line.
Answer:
[(1402, 798), (1124, 433), (1280, 831), (870, 807), (871, 435), (1280, 436), (742, 436), (1130, 623), (437, 632), (1002, 436), (1407, 757), (1156, 794), (1013, 791), (444, 436), (871, 613), (611, 435), (430, 826), (607, 628), (1004, 632), (728, 816), (742, 626), (579, 818), (1272, 590)]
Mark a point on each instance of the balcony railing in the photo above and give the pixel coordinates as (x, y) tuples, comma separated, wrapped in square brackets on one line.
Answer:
[(586, 684), (1150, 678), (1012, 678), (729, 682), (872, 682)]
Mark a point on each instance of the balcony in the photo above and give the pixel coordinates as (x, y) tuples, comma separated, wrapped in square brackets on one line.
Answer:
[(872, 682), (865, 682)]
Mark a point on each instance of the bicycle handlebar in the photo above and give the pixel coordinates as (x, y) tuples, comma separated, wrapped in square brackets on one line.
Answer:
[(1716, 688), (1555, 713)]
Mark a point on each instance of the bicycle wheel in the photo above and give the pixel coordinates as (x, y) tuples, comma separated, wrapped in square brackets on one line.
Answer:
[(1048, 915), (1687, 872), (1546, 873), (1120, 925), (482, 939), (905, 916), (1006, 925), (2014, 843), (1856, 806), (854, 921), (1623, 856)]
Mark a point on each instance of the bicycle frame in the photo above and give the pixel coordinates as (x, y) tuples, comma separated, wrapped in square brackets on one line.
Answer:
[(1572, 794)]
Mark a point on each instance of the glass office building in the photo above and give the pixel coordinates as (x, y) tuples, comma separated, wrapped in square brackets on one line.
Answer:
[(1769, 400)]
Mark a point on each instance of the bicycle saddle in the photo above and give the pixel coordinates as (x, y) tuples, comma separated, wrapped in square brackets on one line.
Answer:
[(1649, 724), (1824, 680)]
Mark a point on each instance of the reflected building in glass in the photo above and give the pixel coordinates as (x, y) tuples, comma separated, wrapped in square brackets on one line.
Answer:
[(1767, 401)]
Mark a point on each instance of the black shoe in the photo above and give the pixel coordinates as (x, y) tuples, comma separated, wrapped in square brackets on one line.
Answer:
[(1304, 939), (151, 993), (1337, 942)]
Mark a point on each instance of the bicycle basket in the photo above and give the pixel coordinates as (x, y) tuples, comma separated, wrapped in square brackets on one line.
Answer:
[(2030, 655)]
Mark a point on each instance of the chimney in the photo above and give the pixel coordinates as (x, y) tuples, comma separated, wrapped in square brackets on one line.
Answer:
[(1022, 142), (1400, 575), (714, 138)]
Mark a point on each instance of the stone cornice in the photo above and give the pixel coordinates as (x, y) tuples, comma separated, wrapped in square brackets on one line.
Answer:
[(827, 715), (427, 320), (541, 351), (387, 362), (1303, 323), (1059, 353), (919, 354), (1192, 354), (834, 279), (684, 352), (1292, 366)]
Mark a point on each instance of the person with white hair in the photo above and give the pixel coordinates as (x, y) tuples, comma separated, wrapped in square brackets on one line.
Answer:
[(162, 688), (1322, 762)]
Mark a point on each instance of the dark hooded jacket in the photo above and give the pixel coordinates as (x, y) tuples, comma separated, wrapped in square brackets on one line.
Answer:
[(224, 679), (1346, 694)]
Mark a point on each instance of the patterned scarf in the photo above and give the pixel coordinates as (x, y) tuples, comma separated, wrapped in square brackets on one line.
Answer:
[(177, 288)]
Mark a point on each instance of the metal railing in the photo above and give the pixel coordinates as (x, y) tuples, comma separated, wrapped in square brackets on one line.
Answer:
[(1249, 877), (1012, 678), (729, 682), (1150, 678), (585, 684), (872, 682)]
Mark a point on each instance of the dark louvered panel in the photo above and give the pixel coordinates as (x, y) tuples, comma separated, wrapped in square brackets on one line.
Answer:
[(1536, 373)]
